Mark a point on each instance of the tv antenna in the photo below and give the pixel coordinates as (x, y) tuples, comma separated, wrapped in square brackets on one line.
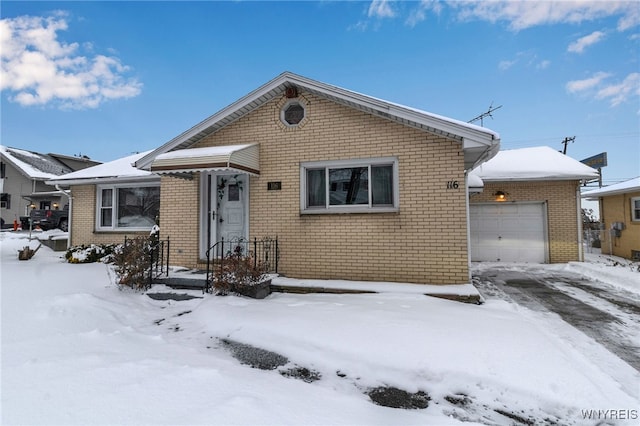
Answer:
[(485, 114)]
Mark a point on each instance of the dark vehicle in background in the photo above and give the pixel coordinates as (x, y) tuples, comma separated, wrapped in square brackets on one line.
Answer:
[(50, 219)]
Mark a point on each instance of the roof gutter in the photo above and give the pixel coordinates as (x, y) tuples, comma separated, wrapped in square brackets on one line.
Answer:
[(96, 181)]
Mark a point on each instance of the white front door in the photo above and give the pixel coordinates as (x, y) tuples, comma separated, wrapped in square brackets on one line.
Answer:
[(231, 203), (224, 208)]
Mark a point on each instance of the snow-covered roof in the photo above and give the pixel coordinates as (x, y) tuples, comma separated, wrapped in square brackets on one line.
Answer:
[(528, 164), (475, 183), (631, 185), (34, 165), (122, 168), (478, 143)]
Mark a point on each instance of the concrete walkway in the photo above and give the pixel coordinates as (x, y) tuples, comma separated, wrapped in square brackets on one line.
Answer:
[(606, 315)]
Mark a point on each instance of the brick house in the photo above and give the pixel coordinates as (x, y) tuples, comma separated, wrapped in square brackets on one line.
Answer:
[(352, 186), (529, 209), (620, 216)]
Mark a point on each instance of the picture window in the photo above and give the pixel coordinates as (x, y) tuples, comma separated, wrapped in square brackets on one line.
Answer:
[(125, 207), (350, 186)]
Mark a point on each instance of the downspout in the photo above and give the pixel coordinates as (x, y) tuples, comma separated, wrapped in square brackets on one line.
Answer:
[(70, 214), (579, 213), (466, 200)]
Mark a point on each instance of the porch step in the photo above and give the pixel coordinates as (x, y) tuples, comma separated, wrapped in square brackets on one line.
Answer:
[(182, 283)]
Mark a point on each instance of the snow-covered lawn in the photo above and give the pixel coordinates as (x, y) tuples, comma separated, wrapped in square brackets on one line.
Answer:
[(76, 350)]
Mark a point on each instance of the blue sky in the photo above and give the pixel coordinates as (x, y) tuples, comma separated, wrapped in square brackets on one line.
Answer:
[(106, 79)]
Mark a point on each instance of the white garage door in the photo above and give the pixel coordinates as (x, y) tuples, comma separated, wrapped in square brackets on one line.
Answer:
[(508, 232)]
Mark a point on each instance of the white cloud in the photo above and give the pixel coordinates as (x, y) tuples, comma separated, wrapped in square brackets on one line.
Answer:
[(419, 13), (543, 65), (506, 64), (527, 58), (599, 88), (522, 14), (38, 69), (582, 43), (381, 9), (576, 86), (621, 92)]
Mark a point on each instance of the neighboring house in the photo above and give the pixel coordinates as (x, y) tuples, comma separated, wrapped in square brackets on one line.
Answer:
[(530, 207), (23, 178), (352, 186), (620, 216)]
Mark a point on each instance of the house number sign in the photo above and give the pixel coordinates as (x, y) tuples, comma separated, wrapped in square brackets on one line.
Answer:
[(453, 184), (274, 186)]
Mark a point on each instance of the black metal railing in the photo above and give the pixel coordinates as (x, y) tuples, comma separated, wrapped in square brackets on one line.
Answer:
[(156, 253), (261, 255), (158, 259)]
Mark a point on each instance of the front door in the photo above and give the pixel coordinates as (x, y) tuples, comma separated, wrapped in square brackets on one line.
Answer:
[(231, 203)]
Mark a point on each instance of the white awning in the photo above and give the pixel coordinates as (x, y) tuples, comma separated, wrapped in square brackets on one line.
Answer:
[(240, 158)]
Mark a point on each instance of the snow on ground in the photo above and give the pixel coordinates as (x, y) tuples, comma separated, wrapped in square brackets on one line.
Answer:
[(77, 350)]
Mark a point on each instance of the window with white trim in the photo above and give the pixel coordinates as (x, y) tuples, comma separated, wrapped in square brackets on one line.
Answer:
[(126, 207), (349, 186), (635, 209)]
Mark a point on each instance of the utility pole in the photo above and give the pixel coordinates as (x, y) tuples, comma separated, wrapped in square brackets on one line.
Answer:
[(566, 142), (485, 114)]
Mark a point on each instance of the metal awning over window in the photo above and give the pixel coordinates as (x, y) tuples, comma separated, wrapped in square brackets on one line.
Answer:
[(241, 158)]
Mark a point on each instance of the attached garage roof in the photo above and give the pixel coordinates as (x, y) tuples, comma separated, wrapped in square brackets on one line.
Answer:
[(530, 164), (478, 143), (242, 158)]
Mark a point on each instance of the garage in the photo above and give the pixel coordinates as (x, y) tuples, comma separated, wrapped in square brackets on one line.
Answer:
[(509, 232)]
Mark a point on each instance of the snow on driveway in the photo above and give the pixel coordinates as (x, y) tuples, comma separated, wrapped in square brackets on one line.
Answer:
[(76, 350), (602, 302)]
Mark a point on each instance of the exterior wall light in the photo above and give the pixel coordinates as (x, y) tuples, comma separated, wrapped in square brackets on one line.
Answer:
[(500, 196)]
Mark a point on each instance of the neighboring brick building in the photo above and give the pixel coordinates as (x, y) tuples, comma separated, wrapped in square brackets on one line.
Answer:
[(353, 187), (529, 209), (620, 216)]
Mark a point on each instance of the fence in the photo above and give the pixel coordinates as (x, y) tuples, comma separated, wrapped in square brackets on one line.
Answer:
[(261, 255), (156, 253)]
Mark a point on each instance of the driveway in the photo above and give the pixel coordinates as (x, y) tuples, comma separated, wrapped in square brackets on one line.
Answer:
[(608, 315)]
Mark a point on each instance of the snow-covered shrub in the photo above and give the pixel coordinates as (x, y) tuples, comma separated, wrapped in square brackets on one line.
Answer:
[(132, 262), (90, 253), (236, 273)]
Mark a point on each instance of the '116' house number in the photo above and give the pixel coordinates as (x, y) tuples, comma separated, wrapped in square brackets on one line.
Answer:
[(452, 184)]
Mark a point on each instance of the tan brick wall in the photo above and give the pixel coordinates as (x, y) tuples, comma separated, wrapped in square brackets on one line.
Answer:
[(84, 218), (617, 208), (426, 242), (561, 211), (179, 218)]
